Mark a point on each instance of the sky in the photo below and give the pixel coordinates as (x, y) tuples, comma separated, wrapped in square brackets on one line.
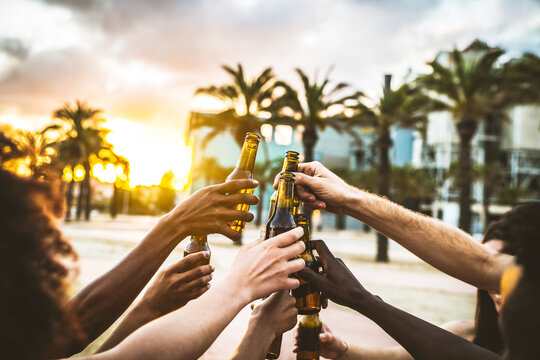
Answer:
[(141, 61)]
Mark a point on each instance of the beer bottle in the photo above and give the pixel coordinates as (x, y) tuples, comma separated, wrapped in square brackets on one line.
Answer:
[(290, 164), (196, 244), (307, 299), (281, 221), (244, 170), (309, 328)]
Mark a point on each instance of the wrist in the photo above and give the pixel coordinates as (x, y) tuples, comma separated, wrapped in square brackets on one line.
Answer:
[(240, 291), (259, 325), (172, 228), (144, 313), (367, 304)]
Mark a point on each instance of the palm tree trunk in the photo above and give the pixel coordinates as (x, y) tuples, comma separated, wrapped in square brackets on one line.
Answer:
[(491, 154), (384, 144), (69, 199), (466, 128), (80, 199), (309, 140), (114, 202), (88, 192)]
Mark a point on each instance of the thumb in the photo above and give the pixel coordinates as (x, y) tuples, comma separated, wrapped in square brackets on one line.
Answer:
[(319, 282)]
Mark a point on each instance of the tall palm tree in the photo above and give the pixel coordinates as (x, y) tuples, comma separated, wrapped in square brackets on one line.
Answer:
[(405, 107), (84, 136), (244, 99), (468, 84), (38, 148), (316, 108)]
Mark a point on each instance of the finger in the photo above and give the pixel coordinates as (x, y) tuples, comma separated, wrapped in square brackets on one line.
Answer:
[(309, 168), (240, 198), (287, 238), (345, 266), (188, 262), (230, 215), (276, 182), (304, 194), (291, 284), (324, 301), (197, 283), (226, 230), (306, 181), (314, 205), (198, 292), (234, 186), (293, 250), (195, 273), (295, 265), (317, 281), (325, 255)]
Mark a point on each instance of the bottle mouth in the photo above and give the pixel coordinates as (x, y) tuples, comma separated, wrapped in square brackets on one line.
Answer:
[(253, 136), (291, 153)]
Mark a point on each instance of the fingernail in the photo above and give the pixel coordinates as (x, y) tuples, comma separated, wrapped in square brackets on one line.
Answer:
[(256, 182), (208, 286), (206, 254), (322, 336), (311, 197), (212, 267)]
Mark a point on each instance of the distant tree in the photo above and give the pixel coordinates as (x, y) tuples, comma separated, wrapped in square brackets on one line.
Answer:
[(472, 85), (511, 195), (83, 136), (404, 107), (166, 198), (317, 107)]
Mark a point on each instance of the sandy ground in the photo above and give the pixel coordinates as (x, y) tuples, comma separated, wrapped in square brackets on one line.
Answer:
[(405, 282)]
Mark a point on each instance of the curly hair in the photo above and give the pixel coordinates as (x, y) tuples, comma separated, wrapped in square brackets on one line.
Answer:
[(519, 228), (34, 280)]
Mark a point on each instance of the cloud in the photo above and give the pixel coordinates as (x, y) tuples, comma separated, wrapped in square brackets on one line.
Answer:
[(14, 48)]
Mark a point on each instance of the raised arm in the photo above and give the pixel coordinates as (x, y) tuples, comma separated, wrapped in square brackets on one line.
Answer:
[(276, 315), (445, 247), (171, 289), (100, 303), (420, 338), (258, 270)]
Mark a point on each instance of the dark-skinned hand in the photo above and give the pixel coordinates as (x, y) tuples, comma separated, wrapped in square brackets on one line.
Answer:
[(337, 282), (211, 209)]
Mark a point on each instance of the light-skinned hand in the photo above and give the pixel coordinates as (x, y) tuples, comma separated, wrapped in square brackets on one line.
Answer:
[(179, 283), (211, 209), (263, 266), (319, 188), (276, 314)]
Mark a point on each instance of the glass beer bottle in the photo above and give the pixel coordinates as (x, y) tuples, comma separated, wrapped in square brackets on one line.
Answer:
[(281, 221), (307, 299), (290, 164), (196, 244), (244, 170), (309, 328)]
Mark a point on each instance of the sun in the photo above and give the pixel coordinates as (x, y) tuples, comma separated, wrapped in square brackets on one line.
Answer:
[(151, 151)]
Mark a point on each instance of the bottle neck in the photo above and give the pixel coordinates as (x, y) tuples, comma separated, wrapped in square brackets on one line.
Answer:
[(285, 196), (290, 164), (199, 239), (247, 157)]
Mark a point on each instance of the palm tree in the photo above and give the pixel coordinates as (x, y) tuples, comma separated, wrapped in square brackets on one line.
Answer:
[(318, 107), (469, 85), (244, 99), (84, 136), (38, 148), (405, 107)]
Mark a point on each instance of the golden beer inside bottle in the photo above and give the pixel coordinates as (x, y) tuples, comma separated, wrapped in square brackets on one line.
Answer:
[(197, 244), (309, 328)]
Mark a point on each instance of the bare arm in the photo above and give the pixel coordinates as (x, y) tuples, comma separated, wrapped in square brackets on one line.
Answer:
[(276, 315), (259, 269), (172, 288), (101, 302), (445, 247)]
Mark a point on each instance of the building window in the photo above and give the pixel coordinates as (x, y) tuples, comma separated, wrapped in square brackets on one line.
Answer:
[(283, 135)]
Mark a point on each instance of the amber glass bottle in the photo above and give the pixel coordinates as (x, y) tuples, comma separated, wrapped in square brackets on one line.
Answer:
[(307, 299), (244, 170), (309, 328), (196, 244), (290, 164), (282, 220)]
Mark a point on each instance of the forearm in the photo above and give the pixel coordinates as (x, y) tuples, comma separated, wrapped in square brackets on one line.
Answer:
[(255, 343), (185, 333), (133, 320), (375, 353), (445, 247), (420, 338), (101, 302)]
